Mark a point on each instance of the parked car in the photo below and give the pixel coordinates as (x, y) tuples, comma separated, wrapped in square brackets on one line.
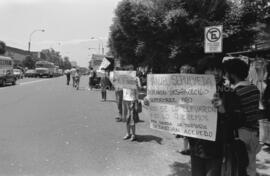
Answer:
[(18, 73), (30, 73)]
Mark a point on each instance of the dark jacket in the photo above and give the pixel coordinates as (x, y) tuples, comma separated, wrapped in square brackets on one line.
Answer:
[(226, 124)]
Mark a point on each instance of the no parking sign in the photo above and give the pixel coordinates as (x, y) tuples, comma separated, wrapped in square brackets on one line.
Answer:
[(213, 39)]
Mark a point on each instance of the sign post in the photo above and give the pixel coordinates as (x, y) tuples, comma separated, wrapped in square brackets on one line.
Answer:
[(213, 39)]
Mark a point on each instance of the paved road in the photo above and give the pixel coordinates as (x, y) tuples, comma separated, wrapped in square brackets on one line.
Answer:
[(50, 129)]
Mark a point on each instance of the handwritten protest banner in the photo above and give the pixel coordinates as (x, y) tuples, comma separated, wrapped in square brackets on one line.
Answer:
[(125, 79), (181, 104)]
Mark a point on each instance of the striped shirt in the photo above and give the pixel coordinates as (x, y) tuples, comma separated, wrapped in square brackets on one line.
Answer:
[(249, 98)]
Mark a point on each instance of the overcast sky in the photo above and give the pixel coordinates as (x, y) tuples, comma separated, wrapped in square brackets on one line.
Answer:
[(69, 25)]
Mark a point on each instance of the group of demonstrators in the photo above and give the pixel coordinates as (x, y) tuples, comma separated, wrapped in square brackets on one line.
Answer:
[(236, 139), (211, 105)]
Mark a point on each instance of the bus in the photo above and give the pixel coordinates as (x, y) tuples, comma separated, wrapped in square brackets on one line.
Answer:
[(45, 68), (6, 71)]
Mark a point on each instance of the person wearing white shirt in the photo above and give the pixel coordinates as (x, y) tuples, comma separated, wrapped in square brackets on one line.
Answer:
[(130, 103)]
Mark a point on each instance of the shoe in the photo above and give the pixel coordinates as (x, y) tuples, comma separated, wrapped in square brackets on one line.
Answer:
[(118, 119), (185, 152), (127, 136), (133, 138)]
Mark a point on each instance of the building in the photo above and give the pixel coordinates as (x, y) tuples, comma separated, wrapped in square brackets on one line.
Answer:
[(18, 55)]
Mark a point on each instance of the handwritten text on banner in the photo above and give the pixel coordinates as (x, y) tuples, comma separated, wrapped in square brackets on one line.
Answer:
[(181, 104), (125, 79)]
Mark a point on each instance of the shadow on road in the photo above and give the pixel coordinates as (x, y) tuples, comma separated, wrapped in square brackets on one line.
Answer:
[(258, 174), (110, 101), (182, 169), (141, 121), (267, 149), (148, 138)]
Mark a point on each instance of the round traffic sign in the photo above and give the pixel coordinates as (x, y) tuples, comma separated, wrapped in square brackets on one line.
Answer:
[(213, 34)]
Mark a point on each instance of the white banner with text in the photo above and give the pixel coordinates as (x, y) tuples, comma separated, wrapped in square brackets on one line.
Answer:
[(181, 104), (125, 79)]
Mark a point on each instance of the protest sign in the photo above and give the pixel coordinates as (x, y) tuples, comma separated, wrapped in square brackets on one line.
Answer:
[(104, 64), (125, 79), (181, 104)]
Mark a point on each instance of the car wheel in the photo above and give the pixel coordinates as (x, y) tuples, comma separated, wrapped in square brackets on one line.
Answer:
[(4, 83), (14, 82)]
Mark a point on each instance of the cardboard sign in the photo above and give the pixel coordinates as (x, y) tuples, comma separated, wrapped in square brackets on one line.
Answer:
[(181, 104), (104, 64), (213, 39), (125, 79)]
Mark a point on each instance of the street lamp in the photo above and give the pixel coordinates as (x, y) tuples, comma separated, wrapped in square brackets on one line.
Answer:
[(100, 41), (30, 36)]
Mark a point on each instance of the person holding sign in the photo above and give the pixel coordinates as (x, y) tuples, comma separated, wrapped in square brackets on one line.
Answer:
[(186, 69), (206, 156), (119, 98), (130, 100)]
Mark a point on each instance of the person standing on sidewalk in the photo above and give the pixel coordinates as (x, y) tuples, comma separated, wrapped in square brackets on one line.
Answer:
[(130, 100), (92, 76), (68, 76), (72, 74), (207, 156), (119, 100), (103, 85), (236, 72), (186, 69)]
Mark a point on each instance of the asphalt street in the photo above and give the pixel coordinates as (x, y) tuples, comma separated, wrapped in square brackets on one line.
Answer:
[(50, 129)]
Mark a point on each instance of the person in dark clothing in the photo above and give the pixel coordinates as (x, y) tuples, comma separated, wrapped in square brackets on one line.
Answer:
[(266, 96), (103, 85), (206, 156), (68, 76), (92, 76), (236, 71)]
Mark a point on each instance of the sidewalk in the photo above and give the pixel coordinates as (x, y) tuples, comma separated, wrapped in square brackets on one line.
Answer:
[(181, 163)]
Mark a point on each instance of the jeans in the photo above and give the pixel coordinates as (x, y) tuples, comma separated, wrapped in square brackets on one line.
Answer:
[(103, 94), (251, 139), (205, 167), (119, 100)]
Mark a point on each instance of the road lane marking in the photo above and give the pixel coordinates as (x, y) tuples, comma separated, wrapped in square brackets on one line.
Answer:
[(31, 82)]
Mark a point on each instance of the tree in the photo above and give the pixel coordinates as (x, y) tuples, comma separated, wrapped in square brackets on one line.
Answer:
[(160, 33), (29, 62)]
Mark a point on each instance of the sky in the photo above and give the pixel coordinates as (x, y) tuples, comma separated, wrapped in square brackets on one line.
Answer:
[(75, 28)]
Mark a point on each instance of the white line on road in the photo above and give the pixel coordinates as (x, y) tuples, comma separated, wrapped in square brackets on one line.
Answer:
[(31, 82)]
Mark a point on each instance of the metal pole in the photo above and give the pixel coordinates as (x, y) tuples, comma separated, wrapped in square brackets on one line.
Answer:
[(30, 37)]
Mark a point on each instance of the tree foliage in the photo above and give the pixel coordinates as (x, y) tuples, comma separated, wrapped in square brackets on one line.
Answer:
[(29, 62), (54, 56), (163, 32)]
